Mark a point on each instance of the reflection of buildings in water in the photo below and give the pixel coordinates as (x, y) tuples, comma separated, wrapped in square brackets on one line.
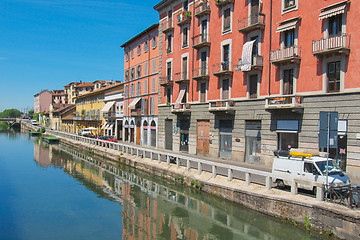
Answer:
[(42, 153), (154, 211)]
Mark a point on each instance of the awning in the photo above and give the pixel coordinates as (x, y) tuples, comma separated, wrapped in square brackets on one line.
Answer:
[(107, 106), (287, 25), (287, 126), (335, 9), (246, 57), (104, 126), (134, 102), (179, 99), (110, 126)]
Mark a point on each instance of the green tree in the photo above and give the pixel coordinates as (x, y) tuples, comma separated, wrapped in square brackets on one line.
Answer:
[(12, 113)]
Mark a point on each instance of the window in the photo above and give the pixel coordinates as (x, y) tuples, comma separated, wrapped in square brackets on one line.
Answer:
[(168, 95), (185, 37), (225, 89), (146, 46), (286, 141), (127, 56), (253, 86), (335, 24), (126, 75), (154, 42), (154, 66), (153, 85), (138, 71), (132, 53), (168, 70), (145, 86), (252, 141), (289, 4), (139, 89), (226, 20), (226, 57), (186, 5), (152, 106), (145, 69), (139, 50), (288, 82), (184, 72), (289, 38), (169, 43), (203, 92), (132, 74), (132, 90), (333, 75)]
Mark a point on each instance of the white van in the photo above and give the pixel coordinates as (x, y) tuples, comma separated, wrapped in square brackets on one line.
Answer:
[(290, 165)]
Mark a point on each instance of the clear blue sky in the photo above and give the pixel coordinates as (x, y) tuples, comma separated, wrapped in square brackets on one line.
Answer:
[(45, 44)]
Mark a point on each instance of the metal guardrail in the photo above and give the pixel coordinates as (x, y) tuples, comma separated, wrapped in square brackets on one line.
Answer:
[(215, 168)]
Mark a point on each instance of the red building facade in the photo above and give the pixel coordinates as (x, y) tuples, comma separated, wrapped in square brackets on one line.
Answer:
[(141, 66), (241, 78)]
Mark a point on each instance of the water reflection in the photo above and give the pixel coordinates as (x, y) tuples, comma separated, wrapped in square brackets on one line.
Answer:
[(155, 209)]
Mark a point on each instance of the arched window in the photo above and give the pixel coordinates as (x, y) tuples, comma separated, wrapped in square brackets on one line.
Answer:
[(153, 133), (145, 133)]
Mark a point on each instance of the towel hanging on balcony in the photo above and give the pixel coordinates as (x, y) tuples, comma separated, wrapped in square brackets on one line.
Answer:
[(247, 56), (179, 99)]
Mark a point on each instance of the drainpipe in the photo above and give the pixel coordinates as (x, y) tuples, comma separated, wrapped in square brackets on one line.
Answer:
[(270, 38), (193, 54)]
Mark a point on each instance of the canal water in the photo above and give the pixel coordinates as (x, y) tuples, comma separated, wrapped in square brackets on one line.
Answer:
[(55, 192)]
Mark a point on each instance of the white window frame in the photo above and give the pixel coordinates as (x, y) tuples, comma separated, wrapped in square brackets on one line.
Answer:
[(253, 34), (185, 55), (206, 90), (139, 50), (282, 38), (290, 9), (287, 67), (146, 46), (154, 42), (257, 84), (342, 60), (183, 35), (132, 53), (221, 87), (170, 60), (223, 43), (343, 26)]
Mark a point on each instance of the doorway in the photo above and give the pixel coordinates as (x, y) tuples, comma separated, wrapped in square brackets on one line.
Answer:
[(203, 135)]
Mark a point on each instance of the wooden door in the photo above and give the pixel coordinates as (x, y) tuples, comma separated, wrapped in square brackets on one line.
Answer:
[(138, 131), (203, 92), (168, 134), (203, 134), (253, 86)]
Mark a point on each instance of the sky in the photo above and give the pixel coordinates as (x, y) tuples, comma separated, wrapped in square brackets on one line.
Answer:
[(46, 44)]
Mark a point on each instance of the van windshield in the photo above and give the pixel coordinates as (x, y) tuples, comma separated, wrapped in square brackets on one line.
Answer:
[(333, 167)]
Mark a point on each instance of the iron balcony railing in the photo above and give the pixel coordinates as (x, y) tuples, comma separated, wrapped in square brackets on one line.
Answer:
[(221, 105), (201, 73), (257, 62), (183, 107), (111, 114), (202, 9), (223, 68), (201, 40), (251, 23), (285, 54), (166, 80), (181, 76), (221, 3), (184, 17), (332, 43), (167, 25), (136, 112), (284, 102)]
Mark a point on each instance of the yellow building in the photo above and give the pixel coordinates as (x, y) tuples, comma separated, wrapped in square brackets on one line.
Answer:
[(88, 110)]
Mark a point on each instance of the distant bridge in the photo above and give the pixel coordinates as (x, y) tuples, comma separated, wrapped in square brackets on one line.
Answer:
[(12, 121)]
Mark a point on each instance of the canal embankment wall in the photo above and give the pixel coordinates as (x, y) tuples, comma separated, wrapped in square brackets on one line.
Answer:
[(325, 217)]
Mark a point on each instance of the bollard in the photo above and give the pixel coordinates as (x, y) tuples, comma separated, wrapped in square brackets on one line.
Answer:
[(230, 174), (213, 171), (199, 168), (320, 193), (268, 183), (294, 188), (159, 157), (178, 162), (187, 164), (247, 179)]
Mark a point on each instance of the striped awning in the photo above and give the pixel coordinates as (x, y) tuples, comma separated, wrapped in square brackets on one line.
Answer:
[(134, 102), (287, 25), (335, 9)]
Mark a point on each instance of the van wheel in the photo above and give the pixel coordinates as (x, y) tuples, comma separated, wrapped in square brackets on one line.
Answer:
[(280, 183)]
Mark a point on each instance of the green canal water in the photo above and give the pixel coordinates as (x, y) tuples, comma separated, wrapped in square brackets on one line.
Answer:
[(55, 192)]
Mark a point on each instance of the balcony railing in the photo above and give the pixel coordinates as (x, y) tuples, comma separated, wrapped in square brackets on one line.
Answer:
[(202, 9), (167, 80), (201, 73), (222, 106), (222, 69), (284, 102), (290, 54), (251, 23), (183, 108), (184, 17), (201, 40), (167, 25), (111, 114), (221, 3), (332, 44), (136, 112), (181, 77), (257, 63)]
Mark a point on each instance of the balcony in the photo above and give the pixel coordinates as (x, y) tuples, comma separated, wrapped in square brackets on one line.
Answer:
[(257, 63), (222, 69), (111, 114), (202, 9), (286, 55), (292, 102), (165, 81), (201, 73), (184, 18), (167, 26), (182, 109), (136, 112), (181, 77), (220, 3), (251, 23), (226, 106), (332, 45), (201, 40)]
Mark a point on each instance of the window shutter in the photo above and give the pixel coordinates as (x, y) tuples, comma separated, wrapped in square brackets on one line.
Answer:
[(153, 85), (145, 86), (154, 66), (146, 72)]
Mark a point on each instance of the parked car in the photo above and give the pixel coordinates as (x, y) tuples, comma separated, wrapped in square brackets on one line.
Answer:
[(290, 165)]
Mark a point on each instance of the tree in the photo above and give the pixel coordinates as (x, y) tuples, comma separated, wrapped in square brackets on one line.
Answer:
[(12, 113)]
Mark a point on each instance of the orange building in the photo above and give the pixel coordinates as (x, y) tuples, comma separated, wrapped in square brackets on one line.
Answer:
[(141, 66), (241, 78)]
